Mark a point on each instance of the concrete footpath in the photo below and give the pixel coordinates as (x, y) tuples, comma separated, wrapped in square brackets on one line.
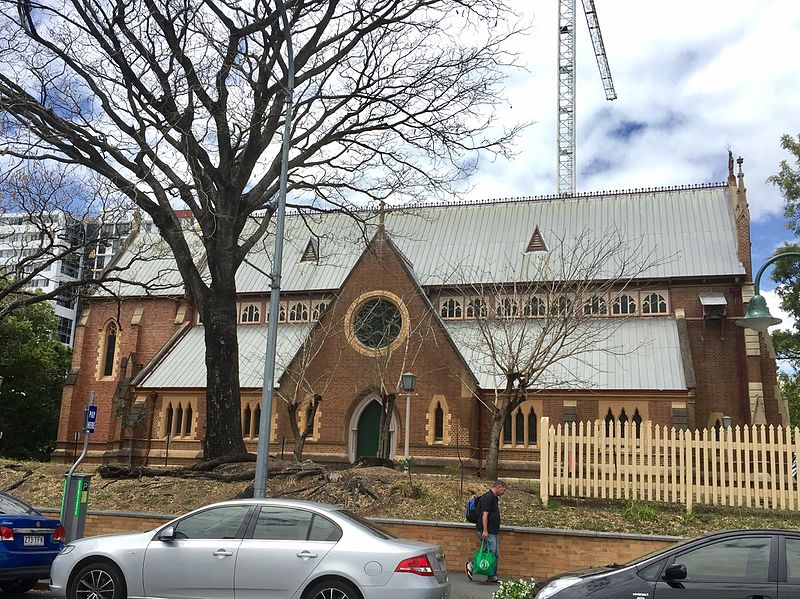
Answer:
[(462, 588)]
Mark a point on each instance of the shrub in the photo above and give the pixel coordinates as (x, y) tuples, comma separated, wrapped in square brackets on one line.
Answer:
[(514, 589), (636, 510)]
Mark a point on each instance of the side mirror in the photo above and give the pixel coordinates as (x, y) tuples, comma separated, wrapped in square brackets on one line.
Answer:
[(675, 572), (167, 534)]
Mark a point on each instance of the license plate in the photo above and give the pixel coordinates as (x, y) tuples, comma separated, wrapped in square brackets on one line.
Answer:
[(33, 541)]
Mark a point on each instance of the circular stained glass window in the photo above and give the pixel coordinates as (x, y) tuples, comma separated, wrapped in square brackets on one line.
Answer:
[(377, 323)]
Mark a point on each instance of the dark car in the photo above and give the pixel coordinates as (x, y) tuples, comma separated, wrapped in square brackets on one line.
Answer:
[(29, 542), (740, 564)]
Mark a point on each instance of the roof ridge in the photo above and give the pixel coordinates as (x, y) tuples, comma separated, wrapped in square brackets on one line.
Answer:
[(538, 198)]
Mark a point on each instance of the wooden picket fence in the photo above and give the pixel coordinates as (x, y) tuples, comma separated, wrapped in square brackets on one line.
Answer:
[(738, 466)]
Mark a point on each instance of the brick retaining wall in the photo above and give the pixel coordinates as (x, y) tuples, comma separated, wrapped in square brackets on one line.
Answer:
[(524, 552)]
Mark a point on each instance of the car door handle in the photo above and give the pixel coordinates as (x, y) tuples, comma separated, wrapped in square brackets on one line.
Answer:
[(306, 554), (222, 553)]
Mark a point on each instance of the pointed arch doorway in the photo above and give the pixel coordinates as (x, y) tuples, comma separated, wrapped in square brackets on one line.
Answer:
[(364, 429)]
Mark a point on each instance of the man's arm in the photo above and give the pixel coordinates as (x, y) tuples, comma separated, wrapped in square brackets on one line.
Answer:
[(485, 516)]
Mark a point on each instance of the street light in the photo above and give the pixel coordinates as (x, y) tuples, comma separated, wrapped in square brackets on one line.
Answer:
[(758, 317), (408, 381)]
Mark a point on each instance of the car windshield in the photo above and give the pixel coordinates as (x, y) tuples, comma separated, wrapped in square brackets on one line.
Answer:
[(11, 505), (366, 524)]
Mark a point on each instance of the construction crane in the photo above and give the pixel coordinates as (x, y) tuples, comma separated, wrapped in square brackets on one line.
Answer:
[(566, 85)]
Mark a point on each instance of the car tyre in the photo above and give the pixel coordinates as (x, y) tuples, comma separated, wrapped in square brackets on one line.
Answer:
[(20, 585), (98, 580), (333, 589)]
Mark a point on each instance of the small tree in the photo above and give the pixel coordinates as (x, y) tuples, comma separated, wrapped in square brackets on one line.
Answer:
[(528, 331)]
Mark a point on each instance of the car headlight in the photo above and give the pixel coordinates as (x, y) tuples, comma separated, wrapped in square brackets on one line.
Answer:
[(66, 549), (551, 588)]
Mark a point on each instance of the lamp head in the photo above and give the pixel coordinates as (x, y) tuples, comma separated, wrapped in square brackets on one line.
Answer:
[(758, 317), (408, 380)]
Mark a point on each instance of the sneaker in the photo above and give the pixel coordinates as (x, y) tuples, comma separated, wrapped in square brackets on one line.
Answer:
[(468, 570), (493, 580)]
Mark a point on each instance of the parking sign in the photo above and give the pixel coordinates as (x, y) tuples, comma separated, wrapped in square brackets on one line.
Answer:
[(91, 418)]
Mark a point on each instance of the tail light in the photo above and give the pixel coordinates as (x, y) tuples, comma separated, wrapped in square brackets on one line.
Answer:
[(6, 533), (419, 565), (60, 535)]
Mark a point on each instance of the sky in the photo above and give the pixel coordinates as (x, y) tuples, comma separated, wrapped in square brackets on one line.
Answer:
[(693, 78)]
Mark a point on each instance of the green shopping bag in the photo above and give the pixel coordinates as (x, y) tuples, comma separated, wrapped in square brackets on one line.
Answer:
[(483, 561)]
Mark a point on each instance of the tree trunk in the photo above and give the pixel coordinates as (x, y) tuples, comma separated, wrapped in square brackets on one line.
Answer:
[(493, 455), (223, 404)]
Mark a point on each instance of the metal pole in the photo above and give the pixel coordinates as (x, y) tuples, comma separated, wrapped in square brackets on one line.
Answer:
[(757, 282), (80, 459), (262, 453), (408, 420)]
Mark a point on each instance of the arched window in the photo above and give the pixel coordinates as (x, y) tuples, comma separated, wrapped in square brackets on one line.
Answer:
[(298, 313), (623, 423), (507, 431), (534, 307), (246, 420), (168, 423), (595, 306), (476, 308), (438, 423), (110, 348), (257, 420), (519, 425), (654, 303), (624, 304), (609, 419), (561, 306), (178, 420), (250, 313), (187, 426), (637, 424), (507, 308), (319, 310), (451, 308), (533, 426)]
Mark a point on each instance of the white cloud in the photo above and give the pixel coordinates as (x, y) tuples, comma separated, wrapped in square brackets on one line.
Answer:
[(697, 75), (774, 305)]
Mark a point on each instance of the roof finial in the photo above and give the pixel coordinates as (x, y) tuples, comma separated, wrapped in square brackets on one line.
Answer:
[(731, 177), (739, 161), (381, 215)]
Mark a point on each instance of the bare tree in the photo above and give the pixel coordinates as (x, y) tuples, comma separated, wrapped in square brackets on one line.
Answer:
[(542, 330), (181, 103), (305, 384), (53, 224)]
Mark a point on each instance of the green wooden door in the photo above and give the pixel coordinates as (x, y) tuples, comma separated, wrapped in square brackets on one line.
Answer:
[(368, 424)]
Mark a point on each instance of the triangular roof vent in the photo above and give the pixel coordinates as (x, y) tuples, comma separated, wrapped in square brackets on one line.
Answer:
[(536, 244), (311, 253)]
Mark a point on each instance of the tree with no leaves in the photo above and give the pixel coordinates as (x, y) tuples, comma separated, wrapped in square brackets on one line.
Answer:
[(538, 332), (181, 103)]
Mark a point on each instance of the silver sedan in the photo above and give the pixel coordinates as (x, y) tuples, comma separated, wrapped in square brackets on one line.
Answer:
[(253, 549)]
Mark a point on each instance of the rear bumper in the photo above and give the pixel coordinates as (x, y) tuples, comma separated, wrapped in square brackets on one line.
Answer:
[(37, 572), (426, 589)]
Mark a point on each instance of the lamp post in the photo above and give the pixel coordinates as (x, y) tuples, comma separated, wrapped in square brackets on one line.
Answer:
[(408, 381), (758, 317)]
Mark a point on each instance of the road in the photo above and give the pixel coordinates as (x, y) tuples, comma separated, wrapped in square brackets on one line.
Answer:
[(460, 588)]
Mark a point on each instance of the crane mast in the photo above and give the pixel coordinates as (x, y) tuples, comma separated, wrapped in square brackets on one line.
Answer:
[(566, 85)]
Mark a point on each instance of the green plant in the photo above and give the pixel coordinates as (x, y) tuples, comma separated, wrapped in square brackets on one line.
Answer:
[(636, 510), (514, 589)]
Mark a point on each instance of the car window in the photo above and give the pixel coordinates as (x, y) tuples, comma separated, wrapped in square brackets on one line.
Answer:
[(743, 560), (323, 529), (653, 571), (366, 525), (793, 561), (12, 505), (222, 522), (282, 524)]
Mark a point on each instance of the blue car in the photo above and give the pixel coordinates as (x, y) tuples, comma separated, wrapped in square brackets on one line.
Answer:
[(29, 542)]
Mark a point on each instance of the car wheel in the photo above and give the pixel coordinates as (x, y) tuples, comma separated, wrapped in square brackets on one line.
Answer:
[(97, 581), (20, 585), (333, 589)]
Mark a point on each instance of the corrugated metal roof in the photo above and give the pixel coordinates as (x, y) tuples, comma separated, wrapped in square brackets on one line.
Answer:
[(681, 232), (634, 353), (184, 367)]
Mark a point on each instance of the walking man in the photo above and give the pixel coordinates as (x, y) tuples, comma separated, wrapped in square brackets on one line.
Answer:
[(488, 525)]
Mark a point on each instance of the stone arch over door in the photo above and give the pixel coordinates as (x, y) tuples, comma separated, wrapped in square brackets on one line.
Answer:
[(363, 415)]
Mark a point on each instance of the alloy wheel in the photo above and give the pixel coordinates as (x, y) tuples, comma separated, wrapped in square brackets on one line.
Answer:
[(95, 584)]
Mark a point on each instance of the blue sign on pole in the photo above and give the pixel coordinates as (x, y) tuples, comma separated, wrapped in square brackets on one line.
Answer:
[(91, 418)]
